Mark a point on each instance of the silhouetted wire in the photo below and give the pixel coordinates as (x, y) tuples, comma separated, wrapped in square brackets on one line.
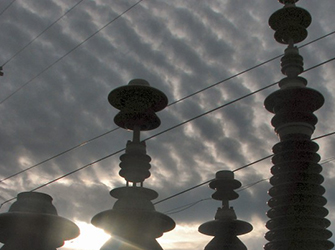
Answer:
[(247, 186), (67, 53), (192, 204), (7, 7), (188, 96), (57, 155), (185, 207), (240, 168), (67, 174), (204, 183), (247, 70), (321, 136), (82, 144), (229, 78), (169, 129), (47, 28)]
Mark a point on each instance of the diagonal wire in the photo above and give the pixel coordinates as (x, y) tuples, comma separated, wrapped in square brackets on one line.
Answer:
[(7, 7), (57, 155), (46, 29), (175, 102), (249, 69), (247, 186), (178, 125), (69, 52)]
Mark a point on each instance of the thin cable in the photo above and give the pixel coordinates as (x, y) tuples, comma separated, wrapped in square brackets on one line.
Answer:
[(210, 111), (47, 28), (168, 198), (238, 169), (67, 174), (57, 155), (82, 144), (7, 7), (70, 51), (321, 136), (247, 70), (189, 205), (185, 207), (178, 125)]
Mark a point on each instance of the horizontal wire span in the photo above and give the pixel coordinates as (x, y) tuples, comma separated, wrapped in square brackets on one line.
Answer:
[(175, 102), (178, 125)]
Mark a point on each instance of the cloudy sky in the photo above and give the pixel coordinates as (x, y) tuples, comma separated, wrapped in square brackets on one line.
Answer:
[(54, 97)]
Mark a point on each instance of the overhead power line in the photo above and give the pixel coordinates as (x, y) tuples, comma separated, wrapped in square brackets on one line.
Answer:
[(55, 156), (175, 102), (69, 52), (173, 127), (7, 7), (244, 187), (46, 29), (243, 167), (165, 199)]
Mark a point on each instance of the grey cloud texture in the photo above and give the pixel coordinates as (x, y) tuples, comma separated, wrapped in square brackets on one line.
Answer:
[(180, 47)]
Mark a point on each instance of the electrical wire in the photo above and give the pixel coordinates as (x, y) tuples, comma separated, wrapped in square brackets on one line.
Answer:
[(7, 7), (165, 199), (185, 207), (69, 52), (57, 155), (46, 29), (175, 102), (189, 205), (169, 129), (247, 70), (243, 167)]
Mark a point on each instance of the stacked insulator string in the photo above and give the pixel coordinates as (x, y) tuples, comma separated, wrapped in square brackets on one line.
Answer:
[(133, 221), (297, 213), (225, 227)]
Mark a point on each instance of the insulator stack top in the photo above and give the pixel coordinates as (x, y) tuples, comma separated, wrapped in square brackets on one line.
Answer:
[(32, 223), (225, 227), (137, 102), (290, 23)]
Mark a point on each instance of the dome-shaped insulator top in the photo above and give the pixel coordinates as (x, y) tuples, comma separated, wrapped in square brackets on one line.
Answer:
[(32, 223), (224, 185), (288, 1), (133, 220), (137, 102), (225, 227), (290, 24)]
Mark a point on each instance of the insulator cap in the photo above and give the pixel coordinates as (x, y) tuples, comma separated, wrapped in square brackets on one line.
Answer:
[(137, 102), (32, 223), (133, 219), (224, 185), (290, 24), (288, 1), (225, 227)]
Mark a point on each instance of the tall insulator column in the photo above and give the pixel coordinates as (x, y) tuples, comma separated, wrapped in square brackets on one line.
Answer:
[(32, 223), (133, 222), (225, 227), (297, 213)]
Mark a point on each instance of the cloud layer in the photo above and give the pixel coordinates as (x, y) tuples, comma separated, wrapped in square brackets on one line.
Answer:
[(180, 47)]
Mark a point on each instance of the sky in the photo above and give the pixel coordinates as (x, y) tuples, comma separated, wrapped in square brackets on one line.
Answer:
[(54, 92)]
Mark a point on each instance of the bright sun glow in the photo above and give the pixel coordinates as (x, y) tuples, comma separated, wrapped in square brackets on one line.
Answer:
[(90, 238)]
